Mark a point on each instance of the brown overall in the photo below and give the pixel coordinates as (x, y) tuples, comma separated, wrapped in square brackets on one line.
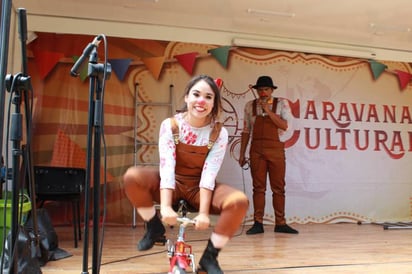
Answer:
[(227, 201), (267, 155)]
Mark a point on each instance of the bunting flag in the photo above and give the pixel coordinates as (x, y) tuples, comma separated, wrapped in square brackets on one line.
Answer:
[(120, 67), (404, 78), (221, 54), (83, 71), (46, 61), (377, 68), (154, 65), (187, 61)]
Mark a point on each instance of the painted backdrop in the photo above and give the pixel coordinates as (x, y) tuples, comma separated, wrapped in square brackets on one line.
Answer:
[(348, 147)]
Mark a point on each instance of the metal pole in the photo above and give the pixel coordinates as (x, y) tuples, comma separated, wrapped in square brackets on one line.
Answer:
[(4, 40)]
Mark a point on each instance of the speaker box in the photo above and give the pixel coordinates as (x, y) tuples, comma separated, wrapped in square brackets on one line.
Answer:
[(58, 180)]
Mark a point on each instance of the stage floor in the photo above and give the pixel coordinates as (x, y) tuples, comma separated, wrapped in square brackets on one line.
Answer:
[(318, 248)]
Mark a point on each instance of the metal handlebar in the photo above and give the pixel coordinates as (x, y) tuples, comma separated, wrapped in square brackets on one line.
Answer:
[(185, 220)]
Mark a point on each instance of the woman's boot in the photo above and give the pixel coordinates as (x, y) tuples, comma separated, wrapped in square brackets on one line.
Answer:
[(154, 233), (208, 263)]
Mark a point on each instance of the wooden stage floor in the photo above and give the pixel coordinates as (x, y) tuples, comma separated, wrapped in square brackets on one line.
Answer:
[(318, 248)]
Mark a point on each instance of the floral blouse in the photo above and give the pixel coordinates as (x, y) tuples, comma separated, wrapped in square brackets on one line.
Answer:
[(191, 136)]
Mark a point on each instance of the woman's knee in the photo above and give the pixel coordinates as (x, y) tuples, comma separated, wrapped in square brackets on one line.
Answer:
[(131, 175), (134, 176), (141, 177), (238, 201), (243, 201)]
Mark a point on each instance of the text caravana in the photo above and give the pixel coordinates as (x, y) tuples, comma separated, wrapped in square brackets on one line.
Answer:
[(355, 126)]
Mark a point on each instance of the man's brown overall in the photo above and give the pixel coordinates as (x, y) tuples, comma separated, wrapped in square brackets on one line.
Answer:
[(267, 155), (227, 201)]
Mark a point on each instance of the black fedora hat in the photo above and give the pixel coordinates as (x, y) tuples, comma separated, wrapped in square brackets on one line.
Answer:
[(264, 81)]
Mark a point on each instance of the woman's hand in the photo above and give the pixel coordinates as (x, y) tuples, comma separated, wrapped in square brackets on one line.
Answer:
[(202, 221), (169, 216)]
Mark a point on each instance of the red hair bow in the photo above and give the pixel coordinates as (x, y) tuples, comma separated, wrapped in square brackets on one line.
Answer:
[(219, 82)]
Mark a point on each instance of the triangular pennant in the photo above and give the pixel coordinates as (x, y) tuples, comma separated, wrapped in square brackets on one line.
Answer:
[(404, 78), (187, 61), (46, 61), (221, 54), (120, 67), (154, 65), (377, 68), (84, 70)]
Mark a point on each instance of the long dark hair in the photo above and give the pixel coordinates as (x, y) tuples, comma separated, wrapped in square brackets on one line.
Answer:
[(217, 103)]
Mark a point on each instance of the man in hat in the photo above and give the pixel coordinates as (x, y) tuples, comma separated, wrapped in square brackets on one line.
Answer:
[(264, 118)]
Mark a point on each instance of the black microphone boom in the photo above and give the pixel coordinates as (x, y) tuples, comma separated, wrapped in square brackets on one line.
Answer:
[(86, 52)]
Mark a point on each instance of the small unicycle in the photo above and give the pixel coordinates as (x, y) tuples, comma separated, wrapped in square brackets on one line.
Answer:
[(180, 253)]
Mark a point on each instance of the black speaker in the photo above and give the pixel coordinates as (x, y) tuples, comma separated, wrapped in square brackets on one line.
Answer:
[(58, 180)]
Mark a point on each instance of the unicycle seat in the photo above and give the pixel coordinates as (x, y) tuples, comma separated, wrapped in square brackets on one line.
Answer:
[(183, 207)]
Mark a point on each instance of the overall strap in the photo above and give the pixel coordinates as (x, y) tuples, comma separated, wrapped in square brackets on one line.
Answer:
[(214, 134), (175, 130), (275, 104)]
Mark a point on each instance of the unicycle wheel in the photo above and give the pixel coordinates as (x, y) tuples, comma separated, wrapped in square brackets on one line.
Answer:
[(178, 270)]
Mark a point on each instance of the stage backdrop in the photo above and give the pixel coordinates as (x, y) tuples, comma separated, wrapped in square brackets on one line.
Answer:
[(348, 147)]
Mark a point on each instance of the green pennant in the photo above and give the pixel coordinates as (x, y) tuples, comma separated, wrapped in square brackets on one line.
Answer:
[(377, 68), (221, 55), (83, 71)]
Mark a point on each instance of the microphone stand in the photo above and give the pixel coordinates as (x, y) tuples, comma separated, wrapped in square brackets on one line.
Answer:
[(17, 84), (4, 41), (96, 72)]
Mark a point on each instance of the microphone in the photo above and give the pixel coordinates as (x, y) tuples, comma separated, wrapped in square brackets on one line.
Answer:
[(22, 24), (86, 52), (23, 38), (263, 101)]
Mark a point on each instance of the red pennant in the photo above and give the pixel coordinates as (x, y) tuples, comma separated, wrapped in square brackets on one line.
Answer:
[(154, 65), (46, 61), (404, 78), (187, 61)]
